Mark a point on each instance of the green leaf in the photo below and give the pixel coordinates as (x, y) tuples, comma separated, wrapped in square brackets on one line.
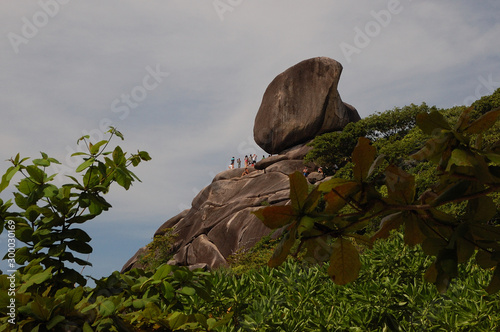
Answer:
[(39, 309), (24, 234), (87, 328), (79, 154), (312, 201), (36, 174), (11, 171), (276, 216), (189, 291), (167, 290), (485, 232), (461, 157), (107, 308), (118, 156), (122, 178), (54, 321), (87, 163), (464, 119), (50, 190), (80, 246), (77, 234), (377, 163), (363, 157), (306, 223), (144, 155), (481, 209), (22, 255), (344, 262), (37, 278), (41, 162), (176, 320), (432, 149), (95, 148), (429, 122), (57, 251), (162, 272)]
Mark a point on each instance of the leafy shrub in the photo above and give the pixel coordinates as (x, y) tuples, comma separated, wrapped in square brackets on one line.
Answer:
[(159, 251), (247, 259)]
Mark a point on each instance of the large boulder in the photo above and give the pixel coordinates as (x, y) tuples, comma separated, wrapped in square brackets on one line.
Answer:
[(301, 103)]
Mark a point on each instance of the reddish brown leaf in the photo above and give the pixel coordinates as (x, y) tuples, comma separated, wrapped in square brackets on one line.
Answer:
[(298, 190), (363, 157), (485, 122), (344, 262), (336, 199), (430, 122), (494, 285), (400, 185), (413, 235), (388, 223), (283, 248), (276, 216)]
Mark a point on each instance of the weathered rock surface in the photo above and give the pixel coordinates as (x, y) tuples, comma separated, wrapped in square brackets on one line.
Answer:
[(301, 103), (220, 221)]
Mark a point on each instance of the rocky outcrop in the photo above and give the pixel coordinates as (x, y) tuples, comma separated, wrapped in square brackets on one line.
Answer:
[(301, 103), (220, 220)]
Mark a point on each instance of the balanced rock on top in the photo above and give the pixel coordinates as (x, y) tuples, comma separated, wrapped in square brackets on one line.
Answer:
[(301, 103)]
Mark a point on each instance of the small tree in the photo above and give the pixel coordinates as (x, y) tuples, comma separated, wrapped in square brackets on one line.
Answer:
[(46, 294)]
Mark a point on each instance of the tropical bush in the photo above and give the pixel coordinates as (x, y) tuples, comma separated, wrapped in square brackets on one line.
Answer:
[(46, 293)]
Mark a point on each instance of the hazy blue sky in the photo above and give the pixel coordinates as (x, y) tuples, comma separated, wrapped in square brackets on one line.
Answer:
[(184, 79)]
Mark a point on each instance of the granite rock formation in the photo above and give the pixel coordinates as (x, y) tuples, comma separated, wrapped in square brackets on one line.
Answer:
[(220, 221), (301, 103)]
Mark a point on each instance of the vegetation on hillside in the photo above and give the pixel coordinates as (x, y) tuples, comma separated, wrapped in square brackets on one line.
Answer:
[(382, 227), (452, 218)]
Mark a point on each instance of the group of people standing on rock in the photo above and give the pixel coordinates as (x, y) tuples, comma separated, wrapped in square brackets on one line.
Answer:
[(249, 160)]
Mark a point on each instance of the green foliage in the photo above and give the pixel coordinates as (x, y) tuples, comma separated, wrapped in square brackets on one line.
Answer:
[(389, 295), (159, 251), (245, 260), (333, 150), (50, 216), (467, 173)]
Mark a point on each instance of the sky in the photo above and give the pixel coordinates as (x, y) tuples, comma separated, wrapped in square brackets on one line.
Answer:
[(183, 80)]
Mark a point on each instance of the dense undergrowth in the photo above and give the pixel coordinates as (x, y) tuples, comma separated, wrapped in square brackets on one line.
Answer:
[(390, 295)]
